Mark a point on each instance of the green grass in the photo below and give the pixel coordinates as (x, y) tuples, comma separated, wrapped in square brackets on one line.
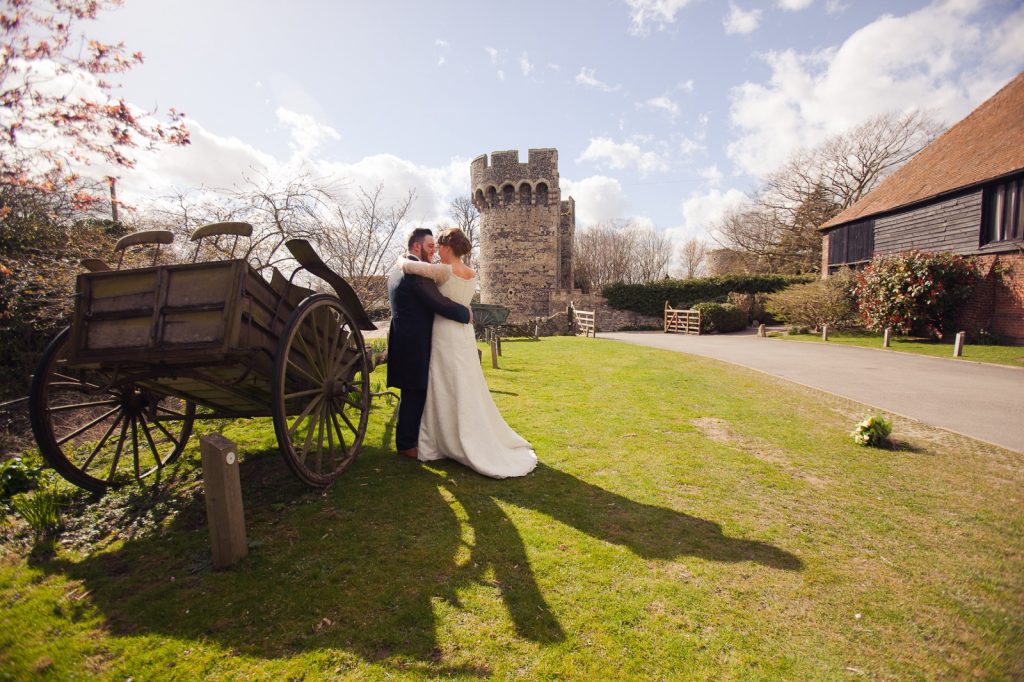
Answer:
[(997, 355), (689, 520)]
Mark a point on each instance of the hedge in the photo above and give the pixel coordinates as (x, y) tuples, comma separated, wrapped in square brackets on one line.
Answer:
[(716, 318), (649, 299)]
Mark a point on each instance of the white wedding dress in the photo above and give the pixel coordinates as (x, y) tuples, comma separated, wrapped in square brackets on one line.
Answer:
[(460, 420)]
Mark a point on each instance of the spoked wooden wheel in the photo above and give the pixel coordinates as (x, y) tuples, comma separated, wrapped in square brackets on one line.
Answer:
[(98, 433), (321, 390)]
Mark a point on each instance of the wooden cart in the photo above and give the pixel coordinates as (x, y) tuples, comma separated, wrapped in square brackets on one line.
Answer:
[(150, 350)]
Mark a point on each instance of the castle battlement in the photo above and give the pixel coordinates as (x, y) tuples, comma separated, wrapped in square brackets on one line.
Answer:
[(503, 168)]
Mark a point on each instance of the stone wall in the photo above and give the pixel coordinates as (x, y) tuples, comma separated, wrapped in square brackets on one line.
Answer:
[(606, 318)]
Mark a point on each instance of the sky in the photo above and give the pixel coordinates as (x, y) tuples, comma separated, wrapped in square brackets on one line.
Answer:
[(666, 112)]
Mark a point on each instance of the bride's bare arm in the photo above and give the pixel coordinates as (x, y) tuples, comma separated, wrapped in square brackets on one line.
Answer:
[(435, 271)]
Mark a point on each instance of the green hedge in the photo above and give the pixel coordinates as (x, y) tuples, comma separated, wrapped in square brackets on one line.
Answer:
[(719, 318), (649, 299)]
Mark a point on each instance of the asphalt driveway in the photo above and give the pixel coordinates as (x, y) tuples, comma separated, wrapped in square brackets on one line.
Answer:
[(977, 400)]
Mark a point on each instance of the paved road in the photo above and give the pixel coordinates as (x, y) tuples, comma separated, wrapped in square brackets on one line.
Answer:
[(977, 400)]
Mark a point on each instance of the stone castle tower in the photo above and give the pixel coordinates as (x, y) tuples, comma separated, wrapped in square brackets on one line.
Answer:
[(526, 232)]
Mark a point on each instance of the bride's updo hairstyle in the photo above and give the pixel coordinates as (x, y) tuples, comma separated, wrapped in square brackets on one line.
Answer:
[(456, 240)]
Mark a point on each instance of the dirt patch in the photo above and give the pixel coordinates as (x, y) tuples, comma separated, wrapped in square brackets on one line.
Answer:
[(719, 430)]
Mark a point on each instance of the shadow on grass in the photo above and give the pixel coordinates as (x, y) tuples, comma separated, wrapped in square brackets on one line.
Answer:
[(370, 567)]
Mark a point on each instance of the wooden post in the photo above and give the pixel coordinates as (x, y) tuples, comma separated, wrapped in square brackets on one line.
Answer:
[(760, 331), (494, 353), (824, 332), (223, 491), (480, 355), (497, 339), (887, 337), (958, 345)]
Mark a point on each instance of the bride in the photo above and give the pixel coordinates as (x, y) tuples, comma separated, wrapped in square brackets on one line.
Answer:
[(460, 420)]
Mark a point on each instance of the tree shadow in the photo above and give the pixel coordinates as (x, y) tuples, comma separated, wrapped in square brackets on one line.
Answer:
[(368, 567)]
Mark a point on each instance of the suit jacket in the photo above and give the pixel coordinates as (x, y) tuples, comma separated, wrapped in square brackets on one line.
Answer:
[(414, 302)]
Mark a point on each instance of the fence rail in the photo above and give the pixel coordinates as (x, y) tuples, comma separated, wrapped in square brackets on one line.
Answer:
[(585, 323), (681, 321)]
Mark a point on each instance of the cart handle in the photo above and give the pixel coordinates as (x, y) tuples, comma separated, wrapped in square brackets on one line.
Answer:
[(308, 258), (157, 237)]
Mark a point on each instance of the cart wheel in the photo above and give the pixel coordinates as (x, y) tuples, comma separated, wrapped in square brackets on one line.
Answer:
[(321, 390), (97, 434)]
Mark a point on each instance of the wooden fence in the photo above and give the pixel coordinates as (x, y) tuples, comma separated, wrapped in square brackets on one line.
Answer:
[(585, 323), (681, 321)]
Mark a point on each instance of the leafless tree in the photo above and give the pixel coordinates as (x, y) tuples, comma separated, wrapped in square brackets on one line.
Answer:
[(467, 218), (779, 225), (692, 254), (617, 251), (651, 256), (358, 233)]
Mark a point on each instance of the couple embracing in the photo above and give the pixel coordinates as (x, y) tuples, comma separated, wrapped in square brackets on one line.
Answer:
[(445, 409)]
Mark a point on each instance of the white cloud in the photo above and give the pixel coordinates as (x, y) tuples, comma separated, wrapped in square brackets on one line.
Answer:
[(607, 152), (702, 211), (210, 161), (741, 21), (440, 42), (501, 74), (492, 53), (306, 133), (586, 78), (712, 175), (835, 6), (794, 5), (810, 96), (440, 61), (598, 198), (524, 65), (661, 103), (657, 12)]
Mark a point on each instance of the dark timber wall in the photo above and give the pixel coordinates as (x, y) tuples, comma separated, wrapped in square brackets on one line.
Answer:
[(950, 225)]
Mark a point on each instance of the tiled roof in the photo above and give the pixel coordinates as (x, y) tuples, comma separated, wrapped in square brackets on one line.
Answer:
[(989, 143)]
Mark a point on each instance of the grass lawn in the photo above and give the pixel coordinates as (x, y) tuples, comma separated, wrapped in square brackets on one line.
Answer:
[(689, 519), (998, 355)]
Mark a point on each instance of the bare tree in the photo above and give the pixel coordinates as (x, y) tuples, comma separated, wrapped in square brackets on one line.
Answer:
[(651, 256), (692, 255), (358, 233), (467, 218), (779, 226), (617, 251)]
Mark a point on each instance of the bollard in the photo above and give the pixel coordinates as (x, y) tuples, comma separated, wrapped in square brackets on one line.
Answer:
[(494, 354), (824, 332), (223, 491), (887, 337), (760, 331), (958, 345)]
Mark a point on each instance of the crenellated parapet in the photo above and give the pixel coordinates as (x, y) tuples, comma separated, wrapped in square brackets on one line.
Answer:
[(504, 181)]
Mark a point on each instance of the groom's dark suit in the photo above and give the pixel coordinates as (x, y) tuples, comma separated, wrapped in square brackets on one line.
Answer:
[(414, 302)]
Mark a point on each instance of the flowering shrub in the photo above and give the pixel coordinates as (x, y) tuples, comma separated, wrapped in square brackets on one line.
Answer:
[(915, 291), (873, 430)]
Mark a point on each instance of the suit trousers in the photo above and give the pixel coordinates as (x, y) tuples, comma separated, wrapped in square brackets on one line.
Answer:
[(410, 413)]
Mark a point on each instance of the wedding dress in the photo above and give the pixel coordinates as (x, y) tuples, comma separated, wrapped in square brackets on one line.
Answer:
[(460, 420)]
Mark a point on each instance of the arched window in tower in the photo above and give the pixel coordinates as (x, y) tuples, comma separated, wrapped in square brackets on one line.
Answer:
[(542, 194), (478, 199), (508, 195), (492, 196), (525, 193)]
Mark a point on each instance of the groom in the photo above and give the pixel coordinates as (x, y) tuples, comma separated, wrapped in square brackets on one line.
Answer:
[(414, 302)]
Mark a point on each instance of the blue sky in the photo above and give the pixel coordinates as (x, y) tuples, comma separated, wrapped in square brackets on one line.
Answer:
[(664, 111)]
